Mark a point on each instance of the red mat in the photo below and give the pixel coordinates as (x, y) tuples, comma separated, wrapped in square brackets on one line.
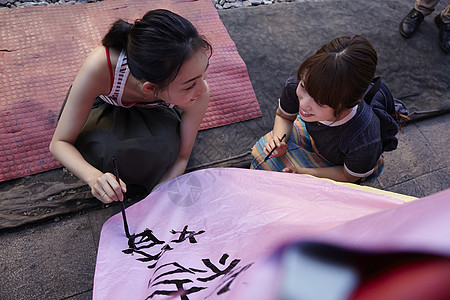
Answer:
[(41, 49)]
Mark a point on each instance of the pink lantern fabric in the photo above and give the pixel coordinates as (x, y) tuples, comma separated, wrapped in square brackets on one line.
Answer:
[(200, 235), (398, 253)]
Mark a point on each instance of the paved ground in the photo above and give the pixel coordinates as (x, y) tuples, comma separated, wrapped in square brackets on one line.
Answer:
[(56, 260)]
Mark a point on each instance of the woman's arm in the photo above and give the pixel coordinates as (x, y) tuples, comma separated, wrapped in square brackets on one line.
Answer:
[(190, 123), (92, 80)]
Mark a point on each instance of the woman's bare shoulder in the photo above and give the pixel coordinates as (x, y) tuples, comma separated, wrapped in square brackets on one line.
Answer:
[(93, 77), (96, 60), (95, 68)]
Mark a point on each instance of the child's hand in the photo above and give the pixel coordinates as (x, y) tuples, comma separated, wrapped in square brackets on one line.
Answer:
[(107, 189), (289, 170), (293, 169), (270, 145)]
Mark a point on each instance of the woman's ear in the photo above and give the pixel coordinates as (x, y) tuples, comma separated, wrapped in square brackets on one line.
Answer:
[(149, 87)]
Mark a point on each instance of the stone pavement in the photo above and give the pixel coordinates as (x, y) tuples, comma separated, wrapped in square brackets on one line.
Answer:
[(56, 259)]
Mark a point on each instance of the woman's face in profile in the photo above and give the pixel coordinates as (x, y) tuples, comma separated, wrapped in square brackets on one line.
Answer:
[(190, 82)]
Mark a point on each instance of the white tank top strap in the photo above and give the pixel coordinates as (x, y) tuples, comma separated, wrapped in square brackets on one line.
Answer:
[(120, 78), (121, 73)]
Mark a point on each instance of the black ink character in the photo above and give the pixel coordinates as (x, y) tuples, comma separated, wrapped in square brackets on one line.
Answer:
[(147, 240), (186, 234)]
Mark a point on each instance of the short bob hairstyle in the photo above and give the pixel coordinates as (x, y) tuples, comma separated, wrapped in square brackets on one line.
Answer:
[(339, 72)]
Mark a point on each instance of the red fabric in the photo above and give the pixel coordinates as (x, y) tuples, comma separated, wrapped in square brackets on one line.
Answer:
[(111, 73), (424, 279), (42, 49)]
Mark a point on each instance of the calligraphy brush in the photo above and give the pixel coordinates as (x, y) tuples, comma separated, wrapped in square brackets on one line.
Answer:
[(270, 153), (125, 223)]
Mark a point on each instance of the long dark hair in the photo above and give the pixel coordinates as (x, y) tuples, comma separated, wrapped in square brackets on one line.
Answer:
[(156, 45), (339, 72)]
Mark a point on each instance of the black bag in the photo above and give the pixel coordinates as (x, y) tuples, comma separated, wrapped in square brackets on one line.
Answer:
[(391, 112)]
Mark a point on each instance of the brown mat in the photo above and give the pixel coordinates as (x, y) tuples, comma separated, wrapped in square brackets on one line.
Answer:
[(41, 49)]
